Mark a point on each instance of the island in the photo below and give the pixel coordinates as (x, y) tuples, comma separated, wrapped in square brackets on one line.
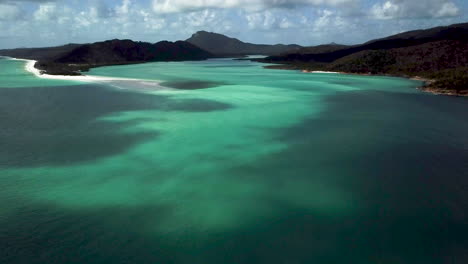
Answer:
[(438, 56), (73, 59)]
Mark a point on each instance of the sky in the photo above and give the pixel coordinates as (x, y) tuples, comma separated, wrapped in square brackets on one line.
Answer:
[(40, 23)]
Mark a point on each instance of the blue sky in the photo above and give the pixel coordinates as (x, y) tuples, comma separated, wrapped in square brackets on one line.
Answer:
[(37, 23)]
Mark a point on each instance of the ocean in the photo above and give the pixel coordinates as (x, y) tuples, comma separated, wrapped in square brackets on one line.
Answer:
[(223, 161)]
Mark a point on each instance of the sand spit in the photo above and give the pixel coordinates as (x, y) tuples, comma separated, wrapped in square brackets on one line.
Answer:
[(123, 83)]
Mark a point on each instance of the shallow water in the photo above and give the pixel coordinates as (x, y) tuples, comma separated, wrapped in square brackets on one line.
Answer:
[(226, 162)]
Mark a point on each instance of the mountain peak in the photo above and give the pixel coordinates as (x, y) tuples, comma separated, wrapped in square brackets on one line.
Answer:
[(223, 45), (202, 32)]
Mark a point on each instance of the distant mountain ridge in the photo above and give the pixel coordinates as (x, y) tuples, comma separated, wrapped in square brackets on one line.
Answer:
[(119, 51), (406, 39), (324, 48), (222, 45)]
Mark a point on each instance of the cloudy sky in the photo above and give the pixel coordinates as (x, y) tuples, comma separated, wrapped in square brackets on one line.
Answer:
[(36, 23)]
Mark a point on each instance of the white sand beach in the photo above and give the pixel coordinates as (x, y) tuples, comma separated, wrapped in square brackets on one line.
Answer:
[(82, 78), (307, 71), (324, 72), (122, 83)]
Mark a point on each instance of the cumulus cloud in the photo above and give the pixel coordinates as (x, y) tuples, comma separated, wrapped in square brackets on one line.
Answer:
[(264, 20), (9, 11), (414, 9), (101, 8), (124, 8), (46, 12), (328, 19), (37, 1), (173, 6), (308, 22), (86, 18), (277, 19)]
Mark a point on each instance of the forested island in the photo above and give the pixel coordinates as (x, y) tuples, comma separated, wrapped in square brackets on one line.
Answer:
[(437, 55), (73, 59)]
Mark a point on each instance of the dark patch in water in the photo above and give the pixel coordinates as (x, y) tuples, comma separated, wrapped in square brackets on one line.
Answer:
[(401, 159), (404, 157), (37, 234), (192, 84), (59, 126)]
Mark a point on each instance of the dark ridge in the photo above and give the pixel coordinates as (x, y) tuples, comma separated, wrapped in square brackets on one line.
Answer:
[(325, 48), (407, 39), (225, 46), (123, 51), (73, 59), (428, 57)]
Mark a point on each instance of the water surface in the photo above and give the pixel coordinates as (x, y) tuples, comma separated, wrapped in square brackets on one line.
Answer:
[(223, 161)]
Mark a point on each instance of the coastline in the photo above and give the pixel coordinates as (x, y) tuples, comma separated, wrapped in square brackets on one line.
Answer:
[(442, 92), (425, 88), (142, 83), (119, 83), (29, 67), (331, 72)]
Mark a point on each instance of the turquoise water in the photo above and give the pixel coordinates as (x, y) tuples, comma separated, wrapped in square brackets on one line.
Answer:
[(223, 161)]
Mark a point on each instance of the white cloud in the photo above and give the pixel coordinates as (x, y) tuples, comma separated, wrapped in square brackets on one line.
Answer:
[(262, 20), (150, 22), (307, 22), (39, 1), (172, 6), (186, 24), (386, 10), (286, 23), (201, 18), (9, 11), (329, 19), (86, 18), (46, 12), (414, 9), (124, 8), (447, 9)]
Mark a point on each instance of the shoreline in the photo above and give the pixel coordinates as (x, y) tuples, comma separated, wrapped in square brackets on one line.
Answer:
[(30, 67), (425, 88), (142, 85), (328, 72)]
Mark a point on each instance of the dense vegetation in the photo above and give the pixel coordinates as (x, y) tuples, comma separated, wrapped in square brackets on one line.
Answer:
[(438, 54), (73, 59), (123, 51), (326, 48), (450, 80)]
